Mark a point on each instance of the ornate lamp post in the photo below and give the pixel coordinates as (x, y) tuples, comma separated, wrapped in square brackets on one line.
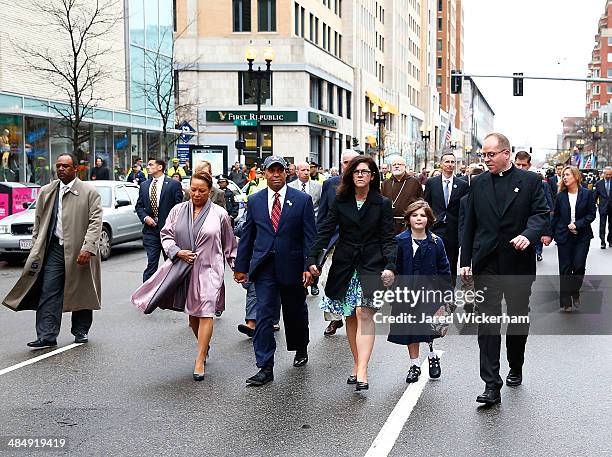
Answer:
[(425, 136), (380, 119), (597, 133), (259, 75)]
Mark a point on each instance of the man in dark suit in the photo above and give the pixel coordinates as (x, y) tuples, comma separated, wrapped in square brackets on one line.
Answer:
[(555, 180), (328, 195), (276, 238), (505, 217), (443, 193), (603, 196), (157, 197)]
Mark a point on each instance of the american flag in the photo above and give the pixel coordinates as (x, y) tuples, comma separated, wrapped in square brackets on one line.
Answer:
[(589, 162), (448, 133)]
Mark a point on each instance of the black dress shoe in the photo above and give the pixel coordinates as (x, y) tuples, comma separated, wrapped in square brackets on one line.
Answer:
[(81, 338), (352, 379), (413, 374), (514, 378), (361, 386), (489, 397), (248, 331), (314, 290), (603, 246), (434, 367), (263, 376), (301, 358), (332, 327), (42, 344)]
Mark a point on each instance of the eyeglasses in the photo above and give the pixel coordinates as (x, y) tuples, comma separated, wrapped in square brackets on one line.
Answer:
[(362, 172), (490, 155)]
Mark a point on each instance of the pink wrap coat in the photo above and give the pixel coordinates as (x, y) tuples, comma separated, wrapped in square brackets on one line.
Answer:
[(215, 244)]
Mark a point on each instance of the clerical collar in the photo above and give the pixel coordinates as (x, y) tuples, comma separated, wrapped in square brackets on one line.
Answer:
[(507, 171)]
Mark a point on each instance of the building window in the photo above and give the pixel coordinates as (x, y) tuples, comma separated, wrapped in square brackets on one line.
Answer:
[(330, 98), (311, 28), (439, 81), (266, 15), (303, 19), (242, 15), (596, 89), (610, 41), (340, 46), (339, 92), (440, 5), (595, 105), (609, 88), (247, 89), (324, 36), (340, 8), (296, 14), (596, 73), (316, 89), (336, 6), (316, 32), (335, 43), (348, 105), (439, 24), (439, 63), (439, 45), (328, 39)]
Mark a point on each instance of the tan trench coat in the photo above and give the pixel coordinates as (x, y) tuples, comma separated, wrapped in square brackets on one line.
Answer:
[(82, 225)]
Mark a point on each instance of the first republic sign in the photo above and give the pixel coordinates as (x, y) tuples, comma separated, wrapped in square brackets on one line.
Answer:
[(264, 116)]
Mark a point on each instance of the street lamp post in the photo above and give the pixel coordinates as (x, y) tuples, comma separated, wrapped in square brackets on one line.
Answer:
[(425, 136), (380, 120), (259, 75), (468, 152), (597, 133)]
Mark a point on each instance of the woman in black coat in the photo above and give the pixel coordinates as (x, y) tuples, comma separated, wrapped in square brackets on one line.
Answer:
[(571, 226), (363, 261)]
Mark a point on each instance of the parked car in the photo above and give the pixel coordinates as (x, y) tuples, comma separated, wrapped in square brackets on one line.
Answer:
[(120, 223)]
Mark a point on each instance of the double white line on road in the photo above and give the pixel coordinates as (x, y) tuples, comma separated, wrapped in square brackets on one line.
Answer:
[(384, 442), (39, 358)]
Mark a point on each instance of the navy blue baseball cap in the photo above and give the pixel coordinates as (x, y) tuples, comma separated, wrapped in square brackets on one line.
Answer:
[(273, 160)]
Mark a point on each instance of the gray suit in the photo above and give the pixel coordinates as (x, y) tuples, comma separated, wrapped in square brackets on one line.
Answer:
[(314, 190)]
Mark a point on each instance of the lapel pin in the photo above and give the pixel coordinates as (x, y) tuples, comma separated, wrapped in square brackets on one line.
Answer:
[(516, 189), (75, 192), (454, 186), (289, 203)]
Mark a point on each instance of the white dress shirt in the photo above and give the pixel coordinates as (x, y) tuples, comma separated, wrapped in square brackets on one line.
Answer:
[(281, 197), (450, 186), (300, 184), (160, 183), (59, 229), (572, 201)]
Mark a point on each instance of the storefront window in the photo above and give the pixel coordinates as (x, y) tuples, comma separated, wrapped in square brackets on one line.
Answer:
[(153, 145), (60, 144), (103, 147), (122, 159), (138, 150), (84, 154), (11, 148), (36, 146), (316, 145)]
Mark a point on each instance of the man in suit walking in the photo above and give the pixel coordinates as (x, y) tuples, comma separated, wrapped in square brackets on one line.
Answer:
[(62, 272), (276, 238), (505, 217), (603, 196), (303, 183), (328, 195), (443, 193), (555, 180), (158, 195)]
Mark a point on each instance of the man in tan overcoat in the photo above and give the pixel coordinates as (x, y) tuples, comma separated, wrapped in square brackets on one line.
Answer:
[(62, 273)]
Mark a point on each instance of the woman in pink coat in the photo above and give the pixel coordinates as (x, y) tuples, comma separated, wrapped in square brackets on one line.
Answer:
[(198, 239)]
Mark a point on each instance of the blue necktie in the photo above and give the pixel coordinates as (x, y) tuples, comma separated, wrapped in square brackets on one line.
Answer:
[(446, 191), (608, 187)]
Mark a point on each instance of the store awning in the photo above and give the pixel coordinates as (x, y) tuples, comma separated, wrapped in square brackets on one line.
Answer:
[(373, 98), (371, 140), (379, 101)]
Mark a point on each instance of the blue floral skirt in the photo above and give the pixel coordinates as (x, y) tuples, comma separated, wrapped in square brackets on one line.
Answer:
[(352, 299)]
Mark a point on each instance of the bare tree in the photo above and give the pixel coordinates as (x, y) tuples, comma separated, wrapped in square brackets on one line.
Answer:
[(161, 87), (76, 69)]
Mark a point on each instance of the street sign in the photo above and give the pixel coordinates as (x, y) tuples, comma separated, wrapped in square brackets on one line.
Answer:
[(245, 122), (187, 130)]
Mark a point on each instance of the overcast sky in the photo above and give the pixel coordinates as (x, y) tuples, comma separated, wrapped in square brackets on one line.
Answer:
[(536, 37)]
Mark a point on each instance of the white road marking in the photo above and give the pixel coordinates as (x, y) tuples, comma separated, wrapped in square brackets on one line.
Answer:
[(39, 358), (386, 438)]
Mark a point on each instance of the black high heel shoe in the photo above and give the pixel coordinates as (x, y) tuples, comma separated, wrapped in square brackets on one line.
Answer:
[(352, 379), (361, 386), (199, 376)]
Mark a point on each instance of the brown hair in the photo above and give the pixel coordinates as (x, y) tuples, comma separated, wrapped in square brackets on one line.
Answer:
[(203, 176), (203, 164), (417, 205), (347, 186), (575, 172)]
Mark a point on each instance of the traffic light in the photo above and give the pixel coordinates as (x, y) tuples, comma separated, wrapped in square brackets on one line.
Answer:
[(517, 85), (456, 81), (240, 144)]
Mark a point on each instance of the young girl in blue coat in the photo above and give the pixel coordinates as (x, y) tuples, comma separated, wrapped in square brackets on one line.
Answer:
[(421, 265)]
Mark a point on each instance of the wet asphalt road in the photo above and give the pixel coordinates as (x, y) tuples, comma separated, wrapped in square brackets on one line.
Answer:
[(129, 390)]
